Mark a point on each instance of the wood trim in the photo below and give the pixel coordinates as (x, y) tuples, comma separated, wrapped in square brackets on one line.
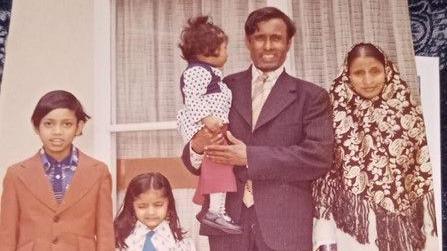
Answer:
[(172, 168)]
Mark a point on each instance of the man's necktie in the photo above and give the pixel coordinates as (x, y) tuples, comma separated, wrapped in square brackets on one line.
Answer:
[(257, 101), (148, 245), (257, 97)]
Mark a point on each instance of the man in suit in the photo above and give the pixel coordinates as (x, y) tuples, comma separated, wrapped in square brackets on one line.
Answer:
[(281, 139)]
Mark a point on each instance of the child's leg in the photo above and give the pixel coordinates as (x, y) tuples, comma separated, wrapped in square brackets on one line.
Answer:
[(216, 217), (217, 203), (215, 180)]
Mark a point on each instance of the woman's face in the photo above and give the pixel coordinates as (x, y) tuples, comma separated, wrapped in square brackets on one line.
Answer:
[(367, 76)]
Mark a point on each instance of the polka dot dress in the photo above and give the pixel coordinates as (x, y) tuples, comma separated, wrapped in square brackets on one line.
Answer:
[(199, 103)]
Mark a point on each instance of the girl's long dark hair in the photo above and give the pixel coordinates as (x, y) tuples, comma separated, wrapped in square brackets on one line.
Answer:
[(125, 221)]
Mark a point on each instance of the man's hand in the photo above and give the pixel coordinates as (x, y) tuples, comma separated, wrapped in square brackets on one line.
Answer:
[(203, 138), (233, 154)]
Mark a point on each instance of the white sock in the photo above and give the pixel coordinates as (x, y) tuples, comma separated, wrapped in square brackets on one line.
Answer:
[(217, 203)]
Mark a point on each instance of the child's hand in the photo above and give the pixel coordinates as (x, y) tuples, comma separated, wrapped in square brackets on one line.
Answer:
[(212, 123), (205, 137)]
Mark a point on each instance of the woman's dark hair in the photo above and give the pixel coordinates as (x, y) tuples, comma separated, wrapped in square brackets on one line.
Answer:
[(126, 219), (55, 100), (201, 37), (366, 50), (265, 14)]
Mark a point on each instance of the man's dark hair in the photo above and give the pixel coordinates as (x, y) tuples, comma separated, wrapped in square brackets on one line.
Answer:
[(201, 37), (54, 100), (265, 14)]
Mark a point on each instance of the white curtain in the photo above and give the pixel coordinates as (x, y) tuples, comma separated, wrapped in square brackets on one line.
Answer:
[(328, 29), (148, 64)]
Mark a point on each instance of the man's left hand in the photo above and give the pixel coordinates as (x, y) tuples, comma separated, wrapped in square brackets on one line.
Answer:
[(233, 154)]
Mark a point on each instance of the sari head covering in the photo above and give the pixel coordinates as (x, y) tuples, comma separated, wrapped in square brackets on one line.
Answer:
[(381, 161)]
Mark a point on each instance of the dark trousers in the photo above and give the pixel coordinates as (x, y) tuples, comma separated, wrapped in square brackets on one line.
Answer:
[(250, 240)]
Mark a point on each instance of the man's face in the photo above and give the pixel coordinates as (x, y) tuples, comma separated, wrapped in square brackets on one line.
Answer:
[(269, 45)]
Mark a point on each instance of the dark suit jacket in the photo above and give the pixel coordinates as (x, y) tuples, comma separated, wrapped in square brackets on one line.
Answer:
[(291, 145)]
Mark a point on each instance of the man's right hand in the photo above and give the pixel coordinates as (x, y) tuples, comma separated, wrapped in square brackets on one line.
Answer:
[(203, 138)]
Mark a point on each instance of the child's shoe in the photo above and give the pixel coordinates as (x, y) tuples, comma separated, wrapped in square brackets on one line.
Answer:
[(222, 222)]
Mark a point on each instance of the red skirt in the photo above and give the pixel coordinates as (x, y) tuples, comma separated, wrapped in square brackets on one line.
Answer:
[(214, 178)]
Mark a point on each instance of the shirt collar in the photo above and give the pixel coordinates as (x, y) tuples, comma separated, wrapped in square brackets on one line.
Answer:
[(48, 161), (142, 229), (162, 232), (162, 237), (273, 75)]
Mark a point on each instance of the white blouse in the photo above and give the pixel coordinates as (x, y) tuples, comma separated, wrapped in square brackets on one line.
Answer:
[(163, 239)]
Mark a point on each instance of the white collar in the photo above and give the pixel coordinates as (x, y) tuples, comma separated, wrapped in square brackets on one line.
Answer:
[(163, 238)]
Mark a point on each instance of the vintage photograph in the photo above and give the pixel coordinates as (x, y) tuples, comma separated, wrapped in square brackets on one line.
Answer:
[(184, 125)]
